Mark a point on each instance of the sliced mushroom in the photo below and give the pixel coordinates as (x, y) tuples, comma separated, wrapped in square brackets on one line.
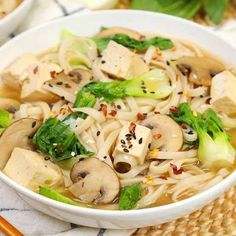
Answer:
[(94, 181), (18, 134), (167, 134), (66, 86), (199, 69), (120, 30), (9, 104)]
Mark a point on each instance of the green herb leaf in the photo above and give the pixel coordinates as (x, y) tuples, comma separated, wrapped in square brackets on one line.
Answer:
[(215, 9), (125, 40), (182, 8), (55, 195), (56, 139), (129, 196)]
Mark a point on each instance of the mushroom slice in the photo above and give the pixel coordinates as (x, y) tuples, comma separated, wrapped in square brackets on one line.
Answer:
[(120, 30), (166, 133), (18, 134), (66, 86), (94, 181), (199, 69)]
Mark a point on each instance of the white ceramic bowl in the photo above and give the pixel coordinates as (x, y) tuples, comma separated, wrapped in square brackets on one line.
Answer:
[(10, 22), (89, 23)]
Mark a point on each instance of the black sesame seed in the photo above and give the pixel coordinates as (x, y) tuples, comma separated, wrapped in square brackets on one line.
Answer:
[(33, 124), (128, 135), (201, 96), (122, 141), (190, 132), (118, 106), (62, 98), (134, 135), (167, 63), (143, 87), (130, 146), (181, 92), (50, 85), (98, 133), (128, 138), (103, 62), (152, 92), (149, 145), (144, 91), (125, 150), (46, 158), (105, 157), (59, 83), (140, 141)]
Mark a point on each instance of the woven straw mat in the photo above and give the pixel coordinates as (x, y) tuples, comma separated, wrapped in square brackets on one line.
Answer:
[(217, 218)]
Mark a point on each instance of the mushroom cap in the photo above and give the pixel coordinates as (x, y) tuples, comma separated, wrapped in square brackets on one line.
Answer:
[(167, 134), (18, 134), (94, 181), (119, 30), (200, 70)]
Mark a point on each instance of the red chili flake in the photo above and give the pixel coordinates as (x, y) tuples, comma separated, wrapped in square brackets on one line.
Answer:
[(174, 109), (53, 74), (113, 113), (35, 70), (157, 136), (104, 109), (176, 170), (177, 77), (69, 109), (142, 37), (140, 116), (132, 127), (184, 126), (163, 177)]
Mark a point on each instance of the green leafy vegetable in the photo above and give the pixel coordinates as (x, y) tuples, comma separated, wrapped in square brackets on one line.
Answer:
[(125, 40), (184, 8), (129, 196), (5, 119), (153, 84), (215, 148), (55, 195), (215, 9), (56, 139)]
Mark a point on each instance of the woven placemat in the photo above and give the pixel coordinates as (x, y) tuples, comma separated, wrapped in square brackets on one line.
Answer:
[(217, 218)]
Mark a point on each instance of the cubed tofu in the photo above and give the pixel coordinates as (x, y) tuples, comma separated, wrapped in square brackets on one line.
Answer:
[(120, 62), (29, 169), (38, 74), (17, 71), (135, 144), (223, 92)]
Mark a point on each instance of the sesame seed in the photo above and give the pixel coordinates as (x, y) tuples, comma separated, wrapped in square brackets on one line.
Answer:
[(152, 92), (118, 106), (50, 85), (167, 63), (33, 124), (149, 145), (144, 91), (103, 62), (105, 157), (140, 141), (125, 150), (59, 83), (98, 133), (62, 98), (181, 92), (122, 141), (130, 146), (46, 158)]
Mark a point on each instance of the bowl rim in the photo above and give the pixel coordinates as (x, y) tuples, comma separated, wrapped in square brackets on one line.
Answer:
[(227, 182), (14, 13)]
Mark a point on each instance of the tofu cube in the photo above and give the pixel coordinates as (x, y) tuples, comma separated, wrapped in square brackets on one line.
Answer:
[(38, 74), (120, 62), (29, 169), (134, 143), (223, 92), (17, 71)]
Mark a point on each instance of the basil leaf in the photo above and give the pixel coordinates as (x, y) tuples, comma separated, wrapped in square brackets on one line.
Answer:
[(182, 8), (215, 9)]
